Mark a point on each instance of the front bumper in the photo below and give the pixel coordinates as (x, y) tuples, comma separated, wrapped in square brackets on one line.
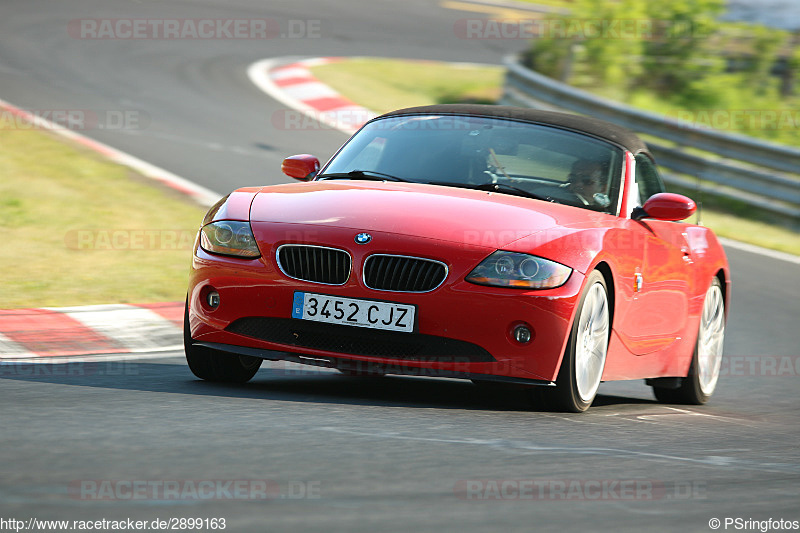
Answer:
[(463, 330)]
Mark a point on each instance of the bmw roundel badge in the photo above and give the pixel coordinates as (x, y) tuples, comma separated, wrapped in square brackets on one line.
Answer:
[(363, 238)]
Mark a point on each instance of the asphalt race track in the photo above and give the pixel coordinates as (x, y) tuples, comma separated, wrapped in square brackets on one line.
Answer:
[(336, 453)]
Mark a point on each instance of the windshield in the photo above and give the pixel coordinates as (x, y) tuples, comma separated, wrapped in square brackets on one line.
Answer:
[(545, 162)]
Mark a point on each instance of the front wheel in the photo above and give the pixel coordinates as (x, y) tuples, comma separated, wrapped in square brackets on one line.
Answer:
[(585, 357), (212, 365), (697, 387)]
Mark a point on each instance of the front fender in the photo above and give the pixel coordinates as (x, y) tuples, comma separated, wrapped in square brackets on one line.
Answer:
[(235, 206)]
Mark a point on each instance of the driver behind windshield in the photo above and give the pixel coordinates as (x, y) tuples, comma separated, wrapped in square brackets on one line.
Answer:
[(587, 182)]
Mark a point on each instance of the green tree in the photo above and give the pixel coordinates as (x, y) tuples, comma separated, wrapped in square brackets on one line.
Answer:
[(792, 73), (679, 54), (551, 57), (612, 43), (766, 44), (602, 40)]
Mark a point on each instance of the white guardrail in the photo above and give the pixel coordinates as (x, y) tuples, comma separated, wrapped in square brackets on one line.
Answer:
[(757, 172)]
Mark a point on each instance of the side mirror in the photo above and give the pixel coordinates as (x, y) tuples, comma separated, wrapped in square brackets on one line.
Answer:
[(665, 206), (301, 167)]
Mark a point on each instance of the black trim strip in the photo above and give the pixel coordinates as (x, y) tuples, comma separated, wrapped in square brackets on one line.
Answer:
[(359, 341), (341, 363)]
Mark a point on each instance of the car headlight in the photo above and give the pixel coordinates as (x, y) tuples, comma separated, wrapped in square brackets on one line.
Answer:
[(229, 237), (519, 271)]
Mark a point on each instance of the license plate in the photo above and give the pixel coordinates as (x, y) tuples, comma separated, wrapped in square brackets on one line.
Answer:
[(374, 314)]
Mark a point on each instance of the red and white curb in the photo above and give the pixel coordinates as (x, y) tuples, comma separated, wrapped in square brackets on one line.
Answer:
[(203, 196), (107, 330), (293, 84), (90, 330)]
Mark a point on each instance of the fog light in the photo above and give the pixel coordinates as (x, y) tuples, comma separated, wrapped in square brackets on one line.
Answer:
[(213, 299), (522, 334)]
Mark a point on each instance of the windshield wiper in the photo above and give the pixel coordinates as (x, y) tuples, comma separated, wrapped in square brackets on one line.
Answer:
[(380, 176), (359, 175), (491, 187)]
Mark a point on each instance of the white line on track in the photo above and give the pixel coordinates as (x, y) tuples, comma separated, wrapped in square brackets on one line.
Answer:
[(523, 446), (766, 252), (162, 353)]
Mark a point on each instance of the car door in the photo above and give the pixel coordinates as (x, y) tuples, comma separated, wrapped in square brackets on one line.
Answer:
[(658, 311)]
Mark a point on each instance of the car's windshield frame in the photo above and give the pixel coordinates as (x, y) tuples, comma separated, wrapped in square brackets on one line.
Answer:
[(497, 144)]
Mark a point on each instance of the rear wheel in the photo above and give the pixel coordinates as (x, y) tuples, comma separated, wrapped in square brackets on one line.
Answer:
[(212, 365), (585, 357), (697, 387)]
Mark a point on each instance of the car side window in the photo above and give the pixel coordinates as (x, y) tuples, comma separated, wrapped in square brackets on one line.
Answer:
[(647, 178)]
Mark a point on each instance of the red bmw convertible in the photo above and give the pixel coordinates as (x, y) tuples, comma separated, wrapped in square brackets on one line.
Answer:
[(487, 243)]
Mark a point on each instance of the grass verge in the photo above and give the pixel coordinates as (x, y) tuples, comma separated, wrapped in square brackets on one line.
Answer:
[(386, 84), (739, 221), (80, 230)]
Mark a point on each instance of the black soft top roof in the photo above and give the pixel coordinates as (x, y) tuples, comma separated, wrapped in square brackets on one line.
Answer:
[(598, 128)]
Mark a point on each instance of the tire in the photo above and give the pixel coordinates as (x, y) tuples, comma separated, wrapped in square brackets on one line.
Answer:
[(585, 357), (212, 365), (698, 386)]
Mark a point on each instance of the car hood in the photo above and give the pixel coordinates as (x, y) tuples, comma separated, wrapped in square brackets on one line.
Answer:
[(414, 209)]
